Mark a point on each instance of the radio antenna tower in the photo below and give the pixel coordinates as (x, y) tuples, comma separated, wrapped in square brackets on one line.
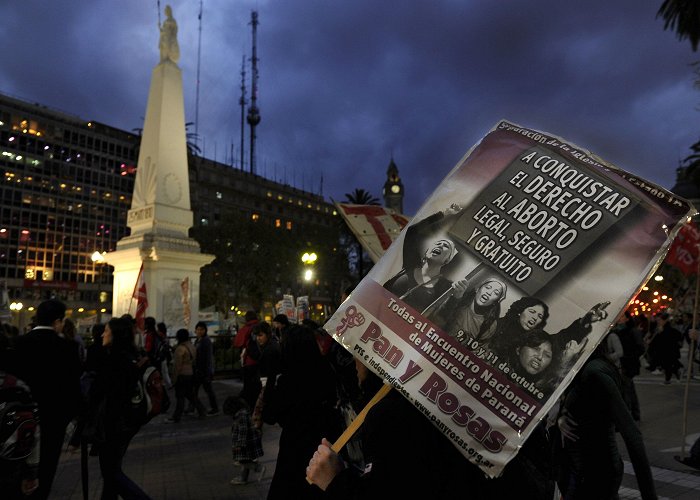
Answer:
[(253, 111), (242, 101), (199, 58)]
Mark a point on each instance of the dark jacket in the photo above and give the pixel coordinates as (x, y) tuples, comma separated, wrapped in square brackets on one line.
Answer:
[(50, 365), (594, 401), (204, 364), (113, 388), (305, 408)]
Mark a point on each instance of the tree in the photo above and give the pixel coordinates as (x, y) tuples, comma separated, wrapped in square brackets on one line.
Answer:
[(682, 16), (361, 197), (257, 263), (192, 139)]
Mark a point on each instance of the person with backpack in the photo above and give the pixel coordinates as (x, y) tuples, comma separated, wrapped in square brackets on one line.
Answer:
[(183, 371), (111, 418), (50, 366)]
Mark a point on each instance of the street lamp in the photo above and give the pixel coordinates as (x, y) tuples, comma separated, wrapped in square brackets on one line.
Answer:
[(98, 259), (309, 258), (17, 307)]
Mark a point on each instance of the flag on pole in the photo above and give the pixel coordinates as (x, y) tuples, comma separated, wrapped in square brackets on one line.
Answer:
[(684, 252), (141, 300), (374, 226)]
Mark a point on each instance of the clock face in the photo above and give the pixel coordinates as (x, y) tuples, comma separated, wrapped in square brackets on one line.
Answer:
[(395, 189)]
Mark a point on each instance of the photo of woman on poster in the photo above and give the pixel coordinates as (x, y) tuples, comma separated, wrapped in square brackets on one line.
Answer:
[(472, 310), (523, 316), (536, 358), (425, 258), (528, 316)]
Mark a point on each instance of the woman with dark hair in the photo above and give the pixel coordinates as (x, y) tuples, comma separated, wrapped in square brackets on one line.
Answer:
[(110, 400), (421, 280), (524, 315), (183, 372), (536, 359), (472, 315)]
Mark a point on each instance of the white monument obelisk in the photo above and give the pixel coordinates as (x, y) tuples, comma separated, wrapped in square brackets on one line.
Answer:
[(160, 215)]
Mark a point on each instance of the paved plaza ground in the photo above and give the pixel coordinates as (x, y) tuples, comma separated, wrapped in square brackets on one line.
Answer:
[(192, 460)]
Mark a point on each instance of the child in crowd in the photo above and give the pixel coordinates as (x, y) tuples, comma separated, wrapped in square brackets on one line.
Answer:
[(246, 440)]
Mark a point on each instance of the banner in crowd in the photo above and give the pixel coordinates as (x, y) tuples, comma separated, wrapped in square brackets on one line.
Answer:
[(375, 227), (494, 295), (684, 250)]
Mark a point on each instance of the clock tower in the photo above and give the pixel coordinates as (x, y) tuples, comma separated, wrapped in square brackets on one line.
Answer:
[(393, 189)]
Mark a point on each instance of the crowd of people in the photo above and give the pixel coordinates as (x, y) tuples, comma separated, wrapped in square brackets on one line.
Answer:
[(297, 377)]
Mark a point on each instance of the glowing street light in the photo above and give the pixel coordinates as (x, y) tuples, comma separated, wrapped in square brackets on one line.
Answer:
[(309, 258)]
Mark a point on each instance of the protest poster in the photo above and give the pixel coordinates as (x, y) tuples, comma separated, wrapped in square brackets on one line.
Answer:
[(494, 295), (375, 227)]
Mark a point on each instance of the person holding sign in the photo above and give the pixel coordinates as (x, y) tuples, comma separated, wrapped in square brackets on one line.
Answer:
[(405, 455), (422, 280)]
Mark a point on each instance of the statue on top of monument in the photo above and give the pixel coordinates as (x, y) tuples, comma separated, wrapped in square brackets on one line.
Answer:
[(169, 49)]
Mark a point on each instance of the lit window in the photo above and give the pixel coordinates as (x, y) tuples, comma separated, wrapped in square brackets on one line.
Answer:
[(219, 195), (278, 223), (289, 225), (255, 217)]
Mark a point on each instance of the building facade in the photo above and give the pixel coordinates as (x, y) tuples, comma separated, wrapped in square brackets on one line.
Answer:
[(66, 189)]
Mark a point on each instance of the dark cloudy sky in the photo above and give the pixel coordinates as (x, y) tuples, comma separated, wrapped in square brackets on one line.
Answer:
[(344, 85)]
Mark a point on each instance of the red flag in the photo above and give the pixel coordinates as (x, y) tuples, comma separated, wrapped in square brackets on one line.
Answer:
[(374, 226), (684, 252), (141, 300)]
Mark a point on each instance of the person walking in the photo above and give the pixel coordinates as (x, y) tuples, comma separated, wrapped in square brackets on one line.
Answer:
[(668, 344), (167, 356), (593, 409), (249, 369), (304, 405), (110, 401), (246, 440), (204, 367), (50, 365), (183, 370), (266, 351), (631, 338)]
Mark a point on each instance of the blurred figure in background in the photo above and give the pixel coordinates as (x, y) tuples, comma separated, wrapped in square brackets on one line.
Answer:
[(204, 367), (249, 369), (183, 371)]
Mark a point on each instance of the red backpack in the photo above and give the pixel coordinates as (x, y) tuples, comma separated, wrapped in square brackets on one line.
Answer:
[(150, 398)]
